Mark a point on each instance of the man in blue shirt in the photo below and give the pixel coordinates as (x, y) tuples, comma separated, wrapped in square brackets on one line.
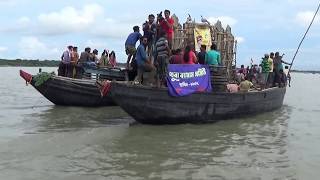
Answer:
[(130, 44), (144, 65)]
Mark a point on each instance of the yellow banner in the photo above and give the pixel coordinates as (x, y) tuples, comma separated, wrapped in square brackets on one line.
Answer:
[(202, 36)]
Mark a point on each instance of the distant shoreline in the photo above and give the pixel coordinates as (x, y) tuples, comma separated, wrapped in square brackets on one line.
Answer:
[(306, 71), (28, 63)]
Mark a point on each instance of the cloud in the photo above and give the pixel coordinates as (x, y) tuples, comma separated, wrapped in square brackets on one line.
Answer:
[(115, 28), (8, 2), (70, 19), (31, 47), (304, 18), (3, 49), (19, 25), (225, 20), (240, 40), (23, 21)]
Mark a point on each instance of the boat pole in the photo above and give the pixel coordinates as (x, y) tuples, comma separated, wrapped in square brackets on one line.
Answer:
[(304, 36)]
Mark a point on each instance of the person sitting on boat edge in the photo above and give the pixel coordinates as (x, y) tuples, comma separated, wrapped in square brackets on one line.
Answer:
[(162, 60), (213, 56), (144, 65), (245, 85), (85, 56), (232, 87), (130, 44), (189, 57), (64, 66)]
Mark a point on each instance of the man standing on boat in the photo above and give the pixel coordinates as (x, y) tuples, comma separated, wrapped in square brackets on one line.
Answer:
[(74, 61), (64, 66), (271, 74), (130, 44), (277, 67), (149, 31), (166, 25), (144, 65), (265, 68), (162, 60), (202, 54), (213, 56)]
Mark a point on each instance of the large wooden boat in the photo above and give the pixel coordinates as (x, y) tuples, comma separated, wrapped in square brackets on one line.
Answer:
[(155, 106), (70, 92)]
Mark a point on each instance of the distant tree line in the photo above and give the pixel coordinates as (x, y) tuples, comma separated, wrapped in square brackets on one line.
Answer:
[(29, 63)]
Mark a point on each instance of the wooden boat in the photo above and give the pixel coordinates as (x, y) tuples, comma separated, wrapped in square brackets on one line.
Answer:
[(70, 92), (155, 106)]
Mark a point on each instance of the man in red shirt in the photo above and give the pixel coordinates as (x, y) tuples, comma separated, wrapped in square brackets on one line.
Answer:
[(166, 25)]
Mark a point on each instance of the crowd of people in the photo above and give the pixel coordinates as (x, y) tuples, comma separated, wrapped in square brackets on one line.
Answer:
[(72, 63), (156, 51), (269, 73)]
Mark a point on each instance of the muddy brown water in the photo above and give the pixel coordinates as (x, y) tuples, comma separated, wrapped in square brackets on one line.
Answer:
[(39, 140)]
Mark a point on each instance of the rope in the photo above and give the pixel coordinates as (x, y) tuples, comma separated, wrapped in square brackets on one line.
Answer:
[(305, 34)]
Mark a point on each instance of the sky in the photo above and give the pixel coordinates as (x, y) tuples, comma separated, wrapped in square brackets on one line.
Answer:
[(41, 29)]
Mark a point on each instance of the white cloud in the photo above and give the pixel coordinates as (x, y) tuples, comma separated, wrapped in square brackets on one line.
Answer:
[(96, 45), (19, 25), (70, 19), (23, 21), (240, 39), (3, 49), (32, 48), (304, 18), (225, 20), (114, 28), (8, 2)]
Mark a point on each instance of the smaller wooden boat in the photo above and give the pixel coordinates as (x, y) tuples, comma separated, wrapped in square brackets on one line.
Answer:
[(69, 92), (155, 106)]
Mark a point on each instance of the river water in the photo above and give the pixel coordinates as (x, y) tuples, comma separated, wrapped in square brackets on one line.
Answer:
[(39, 140)]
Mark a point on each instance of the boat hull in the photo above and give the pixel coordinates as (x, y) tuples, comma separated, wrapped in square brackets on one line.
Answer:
[(156, 106), (71, 92)]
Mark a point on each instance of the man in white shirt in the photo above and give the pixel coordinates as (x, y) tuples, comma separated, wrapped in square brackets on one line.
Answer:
[(64, 66)]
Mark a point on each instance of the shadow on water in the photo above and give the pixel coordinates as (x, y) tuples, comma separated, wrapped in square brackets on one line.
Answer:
[(61, 118), (241, 148)]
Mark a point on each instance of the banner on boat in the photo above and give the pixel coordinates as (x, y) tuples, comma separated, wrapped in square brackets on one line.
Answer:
[(186, 79)]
